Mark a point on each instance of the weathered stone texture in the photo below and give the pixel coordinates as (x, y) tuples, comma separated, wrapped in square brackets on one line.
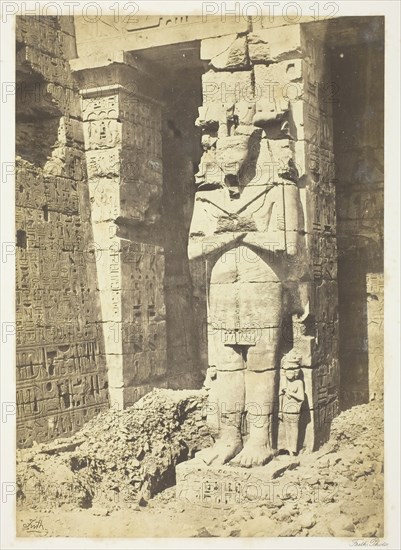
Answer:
[(375, 296), (275, 44), (223, 487), (61, 375), (133, 31), (234, 57)]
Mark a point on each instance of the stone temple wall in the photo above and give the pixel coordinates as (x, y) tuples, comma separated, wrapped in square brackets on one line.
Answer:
[(122, 121), (186, 328), (358, 76), (61, 372)]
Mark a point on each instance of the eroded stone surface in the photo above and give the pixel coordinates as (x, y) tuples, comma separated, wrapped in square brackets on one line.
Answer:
[(234, 57)]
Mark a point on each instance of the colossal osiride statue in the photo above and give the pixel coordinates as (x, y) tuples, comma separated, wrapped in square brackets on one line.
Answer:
[(247, 226)]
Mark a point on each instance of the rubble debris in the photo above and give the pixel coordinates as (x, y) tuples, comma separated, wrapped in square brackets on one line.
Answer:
[(118, 456), (332, 499)]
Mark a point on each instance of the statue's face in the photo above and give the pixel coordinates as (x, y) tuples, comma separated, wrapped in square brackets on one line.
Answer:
[(225, 151), (292, 374), (231, 153), (231, 141), (222, 160)]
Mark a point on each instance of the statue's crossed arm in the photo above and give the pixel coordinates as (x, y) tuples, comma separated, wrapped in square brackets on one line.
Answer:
[(258, 219)]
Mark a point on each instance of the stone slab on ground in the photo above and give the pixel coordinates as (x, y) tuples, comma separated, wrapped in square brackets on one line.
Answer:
[(227, 486)]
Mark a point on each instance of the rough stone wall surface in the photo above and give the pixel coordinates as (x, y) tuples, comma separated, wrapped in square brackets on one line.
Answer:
[(358, 131), (283, 71), (61, 376), (133, 31)]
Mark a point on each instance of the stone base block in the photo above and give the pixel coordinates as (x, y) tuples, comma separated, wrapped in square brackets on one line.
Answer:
[(227, 486)]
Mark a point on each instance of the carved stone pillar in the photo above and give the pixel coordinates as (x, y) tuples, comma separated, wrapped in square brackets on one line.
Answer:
[(122, 130)]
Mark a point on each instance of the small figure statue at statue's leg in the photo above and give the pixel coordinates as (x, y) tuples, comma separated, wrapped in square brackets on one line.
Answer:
[(291, 398)]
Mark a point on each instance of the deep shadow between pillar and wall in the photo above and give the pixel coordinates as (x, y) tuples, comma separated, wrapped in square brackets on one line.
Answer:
[(179, 70), (357, 72)]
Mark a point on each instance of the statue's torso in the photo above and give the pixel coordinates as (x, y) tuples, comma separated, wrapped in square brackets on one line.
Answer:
[(256, 219)]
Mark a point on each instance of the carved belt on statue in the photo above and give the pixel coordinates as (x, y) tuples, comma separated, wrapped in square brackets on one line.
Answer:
[(240, 337)]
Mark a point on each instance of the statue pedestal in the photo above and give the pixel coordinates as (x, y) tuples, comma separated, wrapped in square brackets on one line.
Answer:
[(226, 486)]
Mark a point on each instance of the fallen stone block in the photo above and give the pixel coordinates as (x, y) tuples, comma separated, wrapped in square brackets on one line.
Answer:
[(227, 486)]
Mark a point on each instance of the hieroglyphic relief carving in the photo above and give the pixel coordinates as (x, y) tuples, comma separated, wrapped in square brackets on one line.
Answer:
[(61, 377), (122, 130), (57, 384), (375, 311)]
